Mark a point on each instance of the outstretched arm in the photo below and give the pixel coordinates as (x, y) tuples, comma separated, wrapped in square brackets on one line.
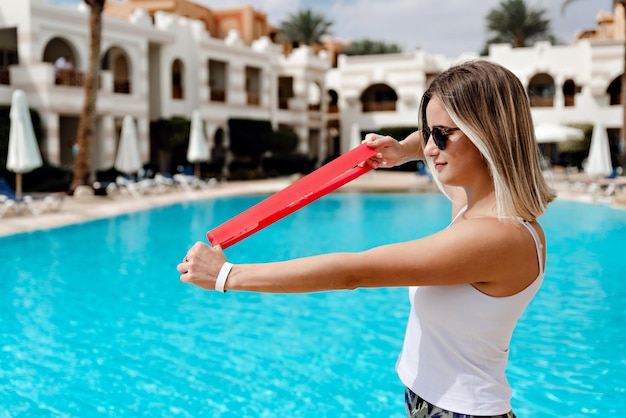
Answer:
[(501, 262)]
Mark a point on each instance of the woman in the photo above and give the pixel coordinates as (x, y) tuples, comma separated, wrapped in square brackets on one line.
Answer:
[(469, 283)]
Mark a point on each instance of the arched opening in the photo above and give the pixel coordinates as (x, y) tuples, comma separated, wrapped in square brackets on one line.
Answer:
[(333, 139), (61, 53), (615, 91), (333, 104), (541, 90), (314, 97), (285, 91), (116, 60), (379, 98), (569, 92), (178, 88)]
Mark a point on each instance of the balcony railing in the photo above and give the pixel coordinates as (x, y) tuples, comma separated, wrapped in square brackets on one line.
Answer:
[(71, 78), (283, 102), (254, 99), (121, 86), (178, 92), (389, 106), (218, 95), (615, 100), (315, 107), (541, 101)]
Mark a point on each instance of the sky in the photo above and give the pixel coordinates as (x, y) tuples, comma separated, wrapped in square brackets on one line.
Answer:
[(448, 27)]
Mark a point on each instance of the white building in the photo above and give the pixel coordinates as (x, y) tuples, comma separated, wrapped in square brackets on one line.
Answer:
[(153, 69), (165, 65), (573, 84)]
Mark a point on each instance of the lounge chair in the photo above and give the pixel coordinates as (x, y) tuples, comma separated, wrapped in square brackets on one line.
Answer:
[(189, 183), (6, 204), (608, 186), (36, 205), (135, 188), (164, 182)]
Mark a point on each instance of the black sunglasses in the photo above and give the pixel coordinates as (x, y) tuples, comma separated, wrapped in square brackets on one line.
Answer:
[(440, 135)]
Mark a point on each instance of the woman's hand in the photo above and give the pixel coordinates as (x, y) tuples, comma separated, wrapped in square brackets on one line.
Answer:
[(201, 265), (391, 152)]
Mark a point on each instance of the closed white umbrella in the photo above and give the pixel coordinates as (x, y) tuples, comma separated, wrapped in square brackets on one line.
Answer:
[(24, 154), (599, 159), (198, 150), (552, 132), (128, 159)]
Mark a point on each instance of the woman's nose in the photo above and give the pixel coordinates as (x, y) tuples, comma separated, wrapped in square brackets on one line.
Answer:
[(431, 149)]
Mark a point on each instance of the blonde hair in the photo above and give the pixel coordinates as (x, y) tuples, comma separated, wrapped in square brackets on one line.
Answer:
[(490, 106)]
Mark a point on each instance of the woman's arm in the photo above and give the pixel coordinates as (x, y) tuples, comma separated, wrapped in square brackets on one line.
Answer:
[(391, 152), (503, 261)]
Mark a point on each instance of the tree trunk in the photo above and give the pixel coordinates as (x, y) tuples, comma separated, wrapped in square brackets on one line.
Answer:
[(87, 122)]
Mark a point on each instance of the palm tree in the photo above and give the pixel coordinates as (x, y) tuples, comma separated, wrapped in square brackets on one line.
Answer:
[(306, 27), (622, 80), (515, 23), (87, 121), (370, 47)]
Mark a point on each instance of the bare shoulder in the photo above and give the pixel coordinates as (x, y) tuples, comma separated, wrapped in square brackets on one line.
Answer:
[(498, 257), (503, 253)]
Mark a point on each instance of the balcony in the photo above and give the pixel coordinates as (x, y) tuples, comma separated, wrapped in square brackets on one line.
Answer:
[(253, 99), (70, 78), (218, 95), (178, 92), (388, 106), (615, 100), (121, 86), (536, 101)]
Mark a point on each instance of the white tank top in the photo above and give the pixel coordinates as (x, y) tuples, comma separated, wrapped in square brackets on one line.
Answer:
[(456, 345)]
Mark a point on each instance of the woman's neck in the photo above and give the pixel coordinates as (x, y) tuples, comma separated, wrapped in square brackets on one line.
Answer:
[(481, 203)]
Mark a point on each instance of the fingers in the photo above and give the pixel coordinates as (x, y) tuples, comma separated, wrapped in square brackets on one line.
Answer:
[(201, 265), (375, 140)]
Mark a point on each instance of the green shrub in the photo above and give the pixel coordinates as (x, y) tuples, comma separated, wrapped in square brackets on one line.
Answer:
[(109, 175), (285, 164), (284, 141), (244, 169), (577, 146), (47, 178), (170, 134), (250, 137), (573, 153)]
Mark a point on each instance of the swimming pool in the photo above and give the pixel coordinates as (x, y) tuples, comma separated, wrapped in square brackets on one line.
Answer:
[(94, 321)]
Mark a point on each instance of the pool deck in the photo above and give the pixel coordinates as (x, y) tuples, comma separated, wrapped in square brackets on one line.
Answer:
[(81, 208)]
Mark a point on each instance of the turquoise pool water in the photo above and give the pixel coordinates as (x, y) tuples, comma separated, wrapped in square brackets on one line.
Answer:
[(94, 320)]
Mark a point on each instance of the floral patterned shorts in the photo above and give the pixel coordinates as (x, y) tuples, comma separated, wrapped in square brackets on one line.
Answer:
[(417, 407)]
